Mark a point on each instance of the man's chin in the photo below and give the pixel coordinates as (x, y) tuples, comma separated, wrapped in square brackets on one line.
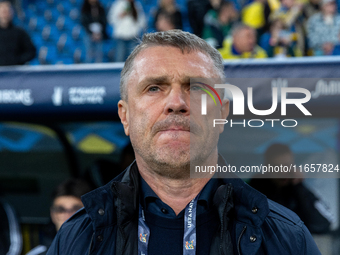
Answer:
[(174, 166)]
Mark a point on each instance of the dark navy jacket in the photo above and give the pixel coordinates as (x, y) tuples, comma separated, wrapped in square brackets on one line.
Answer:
[(108, 223)]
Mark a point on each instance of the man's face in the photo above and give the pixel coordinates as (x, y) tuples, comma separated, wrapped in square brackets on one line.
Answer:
[(5, 13), (227, 14), (329, 8), (288, 3), (63, 208), (245, 40), (157, 116)]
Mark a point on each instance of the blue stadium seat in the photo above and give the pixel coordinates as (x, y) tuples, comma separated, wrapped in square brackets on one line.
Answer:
[(74, 14), (51, 15), (50, 33), (78, 32), (65, 23), (51, 3), (67, 7), (79, 55), (37, 39), (78, 3), (66, 44), (48, 55), (41, 6), (36, 23)]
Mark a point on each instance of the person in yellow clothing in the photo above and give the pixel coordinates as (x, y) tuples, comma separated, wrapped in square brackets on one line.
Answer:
[(253, 14), (242, 44)]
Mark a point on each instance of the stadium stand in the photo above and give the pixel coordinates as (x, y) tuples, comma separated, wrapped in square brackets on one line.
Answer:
[(54, 26)]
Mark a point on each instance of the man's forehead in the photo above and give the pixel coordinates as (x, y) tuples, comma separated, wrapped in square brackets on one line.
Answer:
[(161, 60), (160, 51)]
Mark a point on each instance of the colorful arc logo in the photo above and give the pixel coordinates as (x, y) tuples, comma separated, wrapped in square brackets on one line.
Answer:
[(204, 97)]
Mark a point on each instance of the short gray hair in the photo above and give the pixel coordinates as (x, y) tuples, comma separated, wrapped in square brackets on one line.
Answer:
[(184, 41), (240, 26)]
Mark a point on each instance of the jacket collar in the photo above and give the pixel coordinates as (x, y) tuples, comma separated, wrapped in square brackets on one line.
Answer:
[(251, 207)]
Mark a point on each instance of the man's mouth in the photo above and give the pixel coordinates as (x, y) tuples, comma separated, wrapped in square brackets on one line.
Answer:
[(176, 128)]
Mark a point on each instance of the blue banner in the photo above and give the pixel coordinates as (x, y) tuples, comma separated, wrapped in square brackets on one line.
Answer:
[(91, 92)]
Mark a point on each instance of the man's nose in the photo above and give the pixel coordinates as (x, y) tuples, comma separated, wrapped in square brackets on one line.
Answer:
[(178, 101)]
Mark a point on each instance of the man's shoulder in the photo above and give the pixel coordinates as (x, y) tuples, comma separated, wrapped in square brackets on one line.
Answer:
[(285, 216), (289, 229), (77, 223), (74, 235)]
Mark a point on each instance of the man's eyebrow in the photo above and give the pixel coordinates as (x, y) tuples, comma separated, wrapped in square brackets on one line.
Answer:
[(156, 80)]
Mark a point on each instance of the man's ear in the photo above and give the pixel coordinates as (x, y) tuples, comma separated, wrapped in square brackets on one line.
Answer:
[(224, 112), (123, 113)]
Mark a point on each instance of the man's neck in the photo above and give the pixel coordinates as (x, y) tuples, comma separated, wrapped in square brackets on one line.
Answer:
[(175, 193)]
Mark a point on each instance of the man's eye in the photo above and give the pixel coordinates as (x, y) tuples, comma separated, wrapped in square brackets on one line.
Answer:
[(195, 87), (153, 89)]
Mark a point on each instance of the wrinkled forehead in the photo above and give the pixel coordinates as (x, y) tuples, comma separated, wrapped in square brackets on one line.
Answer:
[(191, 63)]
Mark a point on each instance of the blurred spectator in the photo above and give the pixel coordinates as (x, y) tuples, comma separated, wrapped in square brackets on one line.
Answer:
[(16, 47), (290, 191), (242, 44), (290, 13), (196, 11), (311, 8), (93, 19), (217, 24), (278, 42), (254, 15), (164, 22), (323, 29), (10, 234), (65, 202), (168, 9), (128, 20)]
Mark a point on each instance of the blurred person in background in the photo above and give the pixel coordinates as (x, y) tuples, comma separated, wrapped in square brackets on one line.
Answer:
[(164, 22), (323, 30), (256, 15), (291, 13), (290, 191), (16, 47), (278, 42), (310, 8), (66, 200), (218, 23), (168, 9), (93, 19), (196, 11), (242, 44), (128, 21)]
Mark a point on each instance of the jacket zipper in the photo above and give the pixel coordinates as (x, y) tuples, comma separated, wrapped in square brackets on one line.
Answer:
[(239, 240), (121, 243), (222, 223)]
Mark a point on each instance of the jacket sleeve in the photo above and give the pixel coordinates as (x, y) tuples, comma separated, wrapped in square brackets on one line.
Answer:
[(312, 211), (54, 248), (28, 50), (309, 247)]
